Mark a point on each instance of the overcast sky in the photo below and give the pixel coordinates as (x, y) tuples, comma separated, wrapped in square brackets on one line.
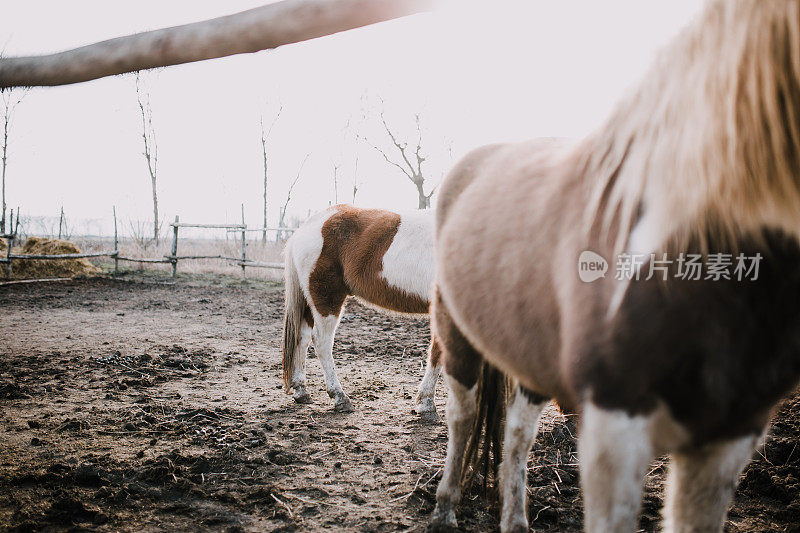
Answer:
[(494, 71)]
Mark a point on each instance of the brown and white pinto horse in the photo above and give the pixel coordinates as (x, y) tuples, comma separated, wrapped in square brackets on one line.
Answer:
[(703, 157), (382, 258)]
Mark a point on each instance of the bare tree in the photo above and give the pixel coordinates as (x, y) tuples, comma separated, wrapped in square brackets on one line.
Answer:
[(64, 229), (139, 234), (410, 160), (11, 98), (355, 179), (336, 183), (338, 163), (264, 138), (150, 147), (354, 139), (282, 221)]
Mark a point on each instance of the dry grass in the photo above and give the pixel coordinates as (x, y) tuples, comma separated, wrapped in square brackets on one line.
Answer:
[(256, 251), (36, 269)]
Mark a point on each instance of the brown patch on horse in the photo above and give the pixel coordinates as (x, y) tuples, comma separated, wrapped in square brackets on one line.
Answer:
[(461, 361), (351, 261), (718, 354), (435, 350), (308, 316)]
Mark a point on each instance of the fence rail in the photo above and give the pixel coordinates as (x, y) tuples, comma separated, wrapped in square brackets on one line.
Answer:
[(60, 256), (230, 227), (172, 258)]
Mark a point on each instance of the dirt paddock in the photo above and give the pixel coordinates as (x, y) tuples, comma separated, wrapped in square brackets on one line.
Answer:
[(134, 404)]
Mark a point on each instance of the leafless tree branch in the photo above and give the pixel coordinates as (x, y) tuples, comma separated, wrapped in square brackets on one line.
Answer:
[(411, 161), (10, 100), (150, 147), (264, 27), (289, 192), (264, 138)]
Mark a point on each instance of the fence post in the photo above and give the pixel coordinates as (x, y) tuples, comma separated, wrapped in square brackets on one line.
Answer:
[(175, 247), (60, 221), (10, 242), (116, 242), (244, 244)]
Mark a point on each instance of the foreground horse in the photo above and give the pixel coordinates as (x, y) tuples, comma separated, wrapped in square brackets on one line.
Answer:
[(383, 258), (703, 158)]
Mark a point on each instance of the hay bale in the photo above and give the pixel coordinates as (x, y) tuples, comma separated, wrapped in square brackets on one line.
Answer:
[(61, 268)]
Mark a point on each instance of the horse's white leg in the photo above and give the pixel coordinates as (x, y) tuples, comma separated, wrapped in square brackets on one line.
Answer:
[(700, 485), (427, 387), (522, 421), (324, 331), (461, 406), (614, 450), (298, 382)]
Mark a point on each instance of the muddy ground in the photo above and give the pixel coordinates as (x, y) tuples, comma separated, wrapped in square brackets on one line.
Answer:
[(134, 404)]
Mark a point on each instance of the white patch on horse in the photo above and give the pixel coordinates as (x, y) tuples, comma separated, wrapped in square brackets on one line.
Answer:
[(305, 247), (408, 263), (644, 240), (614, 450), (522, 422), (700, 485)]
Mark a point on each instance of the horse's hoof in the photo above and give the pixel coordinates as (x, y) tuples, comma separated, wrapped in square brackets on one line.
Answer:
[(426, 410), (343, 406), (302, 398), (429, 417), (442, 519), (517, 527)]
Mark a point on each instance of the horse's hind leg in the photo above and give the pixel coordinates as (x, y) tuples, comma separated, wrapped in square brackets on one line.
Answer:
[(298, 382), (522, 420), (700, 485), (323, 334), (614, 450), (427, 387), (460, 413), (462, 365)]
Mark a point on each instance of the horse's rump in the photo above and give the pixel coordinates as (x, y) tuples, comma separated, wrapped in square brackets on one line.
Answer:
[(358, 254)]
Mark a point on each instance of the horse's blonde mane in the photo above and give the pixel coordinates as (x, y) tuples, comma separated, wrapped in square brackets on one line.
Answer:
[(709, 143)]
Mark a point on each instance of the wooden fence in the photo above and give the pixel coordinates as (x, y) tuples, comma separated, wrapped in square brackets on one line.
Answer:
[(173, 258)]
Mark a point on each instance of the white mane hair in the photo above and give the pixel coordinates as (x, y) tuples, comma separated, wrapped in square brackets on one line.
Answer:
[(709, 144)]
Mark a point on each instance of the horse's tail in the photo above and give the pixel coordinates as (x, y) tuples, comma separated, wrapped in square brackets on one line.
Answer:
[(485, 445), (295, 309)]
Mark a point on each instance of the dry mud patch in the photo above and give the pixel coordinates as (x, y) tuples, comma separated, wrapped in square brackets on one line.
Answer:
[(136, 404)]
